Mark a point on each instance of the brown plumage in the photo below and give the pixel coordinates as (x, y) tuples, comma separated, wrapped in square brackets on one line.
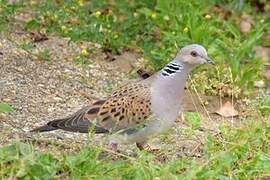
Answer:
[(127, 107)]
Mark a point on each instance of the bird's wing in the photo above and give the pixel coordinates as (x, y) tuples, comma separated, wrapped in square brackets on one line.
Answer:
[(77, 122), (127, 107)]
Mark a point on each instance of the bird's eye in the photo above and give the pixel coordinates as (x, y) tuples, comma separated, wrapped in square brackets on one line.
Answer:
[(194, 53)]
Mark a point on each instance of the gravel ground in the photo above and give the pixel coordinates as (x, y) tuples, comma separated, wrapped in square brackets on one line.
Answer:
[(40, 91)]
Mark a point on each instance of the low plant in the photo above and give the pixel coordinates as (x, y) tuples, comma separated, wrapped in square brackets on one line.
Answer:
[(5, 107), (157, 29)]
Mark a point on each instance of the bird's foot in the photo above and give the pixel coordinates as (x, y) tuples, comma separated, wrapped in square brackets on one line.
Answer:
[(146, 147), (114, 147), (140, 146), (160, 156)]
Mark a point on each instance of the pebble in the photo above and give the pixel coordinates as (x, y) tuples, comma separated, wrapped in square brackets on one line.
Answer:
[(41, 85), (57, 99), (260, 84), (7, 100), (262, 53), (245, 26)]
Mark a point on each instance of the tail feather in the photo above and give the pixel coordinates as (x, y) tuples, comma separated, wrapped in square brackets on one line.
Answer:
[(75, 123), (44, 128)]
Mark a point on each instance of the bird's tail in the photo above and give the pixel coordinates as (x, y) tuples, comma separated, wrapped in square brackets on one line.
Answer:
[(75, 123)]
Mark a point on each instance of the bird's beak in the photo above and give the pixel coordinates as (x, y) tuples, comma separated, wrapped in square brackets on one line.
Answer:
[(209, 61)]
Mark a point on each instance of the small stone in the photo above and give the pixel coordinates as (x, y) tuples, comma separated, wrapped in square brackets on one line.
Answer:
[(262, 53), (3, 115), (19, 69), (259, 84), (266, 73), (245, 26), (57, 99), (41, 85), (7, 100), (51, 109), (26, 129), (98, 46)]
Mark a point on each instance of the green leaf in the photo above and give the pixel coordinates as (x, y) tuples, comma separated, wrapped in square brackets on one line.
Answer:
[(5, 107), (32, 24), (193, 119)]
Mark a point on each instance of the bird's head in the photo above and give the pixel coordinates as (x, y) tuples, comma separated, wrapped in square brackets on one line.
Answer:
[(194, 54)]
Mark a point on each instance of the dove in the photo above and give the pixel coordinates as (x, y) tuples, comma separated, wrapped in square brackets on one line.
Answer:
[(140, 110)]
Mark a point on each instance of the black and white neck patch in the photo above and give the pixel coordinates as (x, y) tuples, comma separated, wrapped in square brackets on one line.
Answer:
[(171, 69)]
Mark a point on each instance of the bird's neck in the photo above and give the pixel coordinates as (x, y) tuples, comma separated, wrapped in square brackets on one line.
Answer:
[(168, 89)]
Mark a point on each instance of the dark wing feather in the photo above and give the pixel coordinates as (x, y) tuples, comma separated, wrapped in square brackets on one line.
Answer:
[(74, 123), (78, 122)]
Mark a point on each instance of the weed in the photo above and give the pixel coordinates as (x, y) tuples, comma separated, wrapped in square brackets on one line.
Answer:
[(261, 104), (5, 107), (7, 11), (27, 46), (157, 29), (108, 86), (193, 119), (82, 60), (240, 153), (44, 55)]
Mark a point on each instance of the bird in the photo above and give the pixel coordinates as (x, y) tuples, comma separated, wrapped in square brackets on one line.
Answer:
[(140, 110)]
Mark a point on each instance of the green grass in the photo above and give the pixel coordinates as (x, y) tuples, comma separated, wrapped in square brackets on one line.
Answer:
[(5, 107), (241, 153), (44, 55), (157, 29), (233, 153)]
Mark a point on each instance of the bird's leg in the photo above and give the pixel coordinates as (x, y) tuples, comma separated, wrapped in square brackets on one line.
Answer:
[(114, 146), (144, 146), (141, 145)]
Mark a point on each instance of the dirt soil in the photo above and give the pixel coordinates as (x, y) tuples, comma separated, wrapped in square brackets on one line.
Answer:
[(40, 91)]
